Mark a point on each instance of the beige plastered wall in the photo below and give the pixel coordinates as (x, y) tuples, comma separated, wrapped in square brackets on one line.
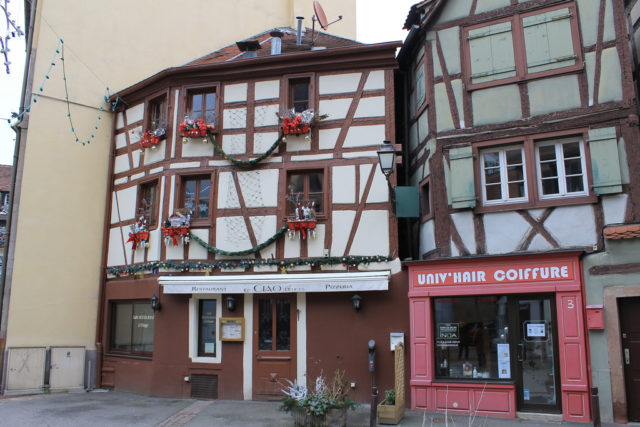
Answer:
[(55, 277)]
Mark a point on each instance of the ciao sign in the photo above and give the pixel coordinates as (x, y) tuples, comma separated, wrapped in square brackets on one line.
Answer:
[(517, 273)]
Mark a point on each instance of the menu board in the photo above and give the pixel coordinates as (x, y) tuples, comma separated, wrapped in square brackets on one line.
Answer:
[(232, 329)]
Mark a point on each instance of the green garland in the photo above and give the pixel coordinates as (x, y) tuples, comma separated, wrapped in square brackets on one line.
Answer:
[(185, 266), (261, 246), (244, 163)]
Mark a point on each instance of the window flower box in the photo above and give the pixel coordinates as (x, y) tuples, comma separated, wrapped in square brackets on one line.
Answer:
[(177, 226), (151, 138), (194, 129), (139, 234)]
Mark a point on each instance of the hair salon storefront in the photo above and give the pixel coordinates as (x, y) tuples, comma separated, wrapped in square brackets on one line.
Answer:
[(496, 335)]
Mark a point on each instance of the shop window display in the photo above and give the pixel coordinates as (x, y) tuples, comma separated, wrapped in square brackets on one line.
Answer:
[(471, 337)]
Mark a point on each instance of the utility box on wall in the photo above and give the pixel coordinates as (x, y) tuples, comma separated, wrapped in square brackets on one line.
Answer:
[(595, 317)]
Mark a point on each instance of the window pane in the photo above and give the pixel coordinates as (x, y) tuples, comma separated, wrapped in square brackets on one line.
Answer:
[(515, 173), (203, 202), (514, 157), (148, 200), (142, 327), (468, 331), (316, 201), (122, 326), (203, 208), (547, 152), (300, 96), (210, 101), (549, 169), (196, 103), (550, 186), (265, 324), (315, 183), (296, 184), (516, 190), (571, 150), (491, 159), (573, 167), (190, 195), (492, 176), (283, 324), (493, 192), (575, 184), (207, 327)]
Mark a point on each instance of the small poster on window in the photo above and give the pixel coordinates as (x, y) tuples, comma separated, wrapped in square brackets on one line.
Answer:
[(536, 330), (209, 347), (504, 361)]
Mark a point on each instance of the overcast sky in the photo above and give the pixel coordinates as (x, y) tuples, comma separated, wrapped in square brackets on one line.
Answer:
[(377, 21)]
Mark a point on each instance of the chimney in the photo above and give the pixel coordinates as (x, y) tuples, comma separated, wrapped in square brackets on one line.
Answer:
[(299, 38), (249, 47), (276, 42)]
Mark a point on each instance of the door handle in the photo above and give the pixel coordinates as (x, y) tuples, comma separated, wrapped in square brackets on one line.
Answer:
[(626, 356), (520, 352)]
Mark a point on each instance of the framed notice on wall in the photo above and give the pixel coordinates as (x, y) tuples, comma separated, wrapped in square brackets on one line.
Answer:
[(232, 329)]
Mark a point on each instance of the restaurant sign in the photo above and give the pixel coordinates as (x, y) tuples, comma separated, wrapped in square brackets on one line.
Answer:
[(514, 273)]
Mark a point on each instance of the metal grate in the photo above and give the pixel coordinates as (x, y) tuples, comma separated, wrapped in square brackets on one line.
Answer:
[(204, 386)]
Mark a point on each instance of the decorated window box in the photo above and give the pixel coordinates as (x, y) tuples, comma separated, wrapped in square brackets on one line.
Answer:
[(294, 123), (195, 129), (139, 235), (151, 138), (304, 221), (177, 227)]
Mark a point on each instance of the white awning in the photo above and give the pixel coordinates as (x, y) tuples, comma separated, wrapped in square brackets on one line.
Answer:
[(276, 283)]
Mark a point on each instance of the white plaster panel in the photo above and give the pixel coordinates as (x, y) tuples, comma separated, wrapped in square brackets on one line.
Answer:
[(315, 247), (135, 155), (297, 143), (413, 136), (156, 170), (336, 109), (328, 138), (155, 154), (114, 209), (227, 194), (539, 244), (344, 184), (364, 172), (370, 107), (234, 144), (609, 29), (537, 213), (427, 237), (610, 77), (554, 94), (588, 12), (235, 118), (235, 93), (155, 245), (372, 236), (622, 157), (172, 180), (464, 224), (311, 157), (119, 120), (567, 231), (292, 247), (379, 191), (196, 148), (116, 245), (590, 68), (264, 269), (504, 231), (259, 187), (450, 42), (486, 5), (121, 163), (121, 140), (268, 252), (375, 80), (454, 249), (263, 141), (175, 252), (196, 250), (454, 10), (176, 137), (135, 135), (444, 121), (265, 115), (232, 234), (614, 208), (423, 126), (135, 114), (496, 105), (360, 155), (338, 83), (457, 87), (122, 180), (267, 90), (127, 200), (264, 227), (341, 223), (437, 69), (363, 136), (184, 165)]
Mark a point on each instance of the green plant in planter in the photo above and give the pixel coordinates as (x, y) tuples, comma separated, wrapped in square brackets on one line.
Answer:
[(390, 397)]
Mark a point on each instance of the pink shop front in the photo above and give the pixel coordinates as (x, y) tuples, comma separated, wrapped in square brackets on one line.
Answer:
[(492, 336)]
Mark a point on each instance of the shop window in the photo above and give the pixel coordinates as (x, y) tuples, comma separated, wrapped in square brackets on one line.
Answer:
[(299, 94), (196, 196), (548, 41), (132, 328), (207, 327), (157, 118), (469, 332), (305, 189), (147, 201), (201, 104)]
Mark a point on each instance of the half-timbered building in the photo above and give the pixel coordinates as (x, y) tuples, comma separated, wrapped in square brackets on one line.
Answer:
[(249, 235), (522, 136)]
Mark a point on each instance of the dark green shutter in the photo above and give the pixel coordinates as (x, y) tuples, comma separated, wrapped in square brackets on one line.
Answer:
[(407, 205), (605, 163), (463, 192)]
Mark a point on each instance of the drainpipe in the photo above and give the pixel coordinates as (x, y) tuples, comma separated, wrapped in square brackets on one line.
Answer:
[(5, 285)]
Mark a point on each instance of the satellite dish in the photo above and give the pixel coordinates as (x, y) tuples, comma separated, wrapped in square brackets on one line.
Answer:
[(322, 18)]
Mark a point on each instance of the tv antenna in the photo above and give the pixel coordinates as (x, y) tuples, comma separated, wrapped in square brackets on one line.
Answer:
[(321, 17)]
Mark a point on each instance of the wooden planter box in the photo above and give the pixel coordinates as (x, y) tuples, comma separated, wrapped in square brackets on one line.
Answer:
[(390, 414)]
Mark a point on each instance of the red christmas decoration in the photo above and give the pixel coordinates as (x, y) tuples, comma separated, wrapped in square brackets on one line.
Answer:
[(194, 128), (296, 126), (139, 232), (301, 225), (177, 227)]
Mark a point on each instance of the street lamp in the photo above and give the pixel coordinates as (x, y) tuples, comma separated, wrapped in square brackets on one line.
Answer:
[(387, 160)]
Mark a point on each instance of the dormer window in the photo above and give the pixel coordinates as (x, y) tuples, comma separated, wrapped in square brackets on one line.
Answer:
[(299, 94), (201, 104)]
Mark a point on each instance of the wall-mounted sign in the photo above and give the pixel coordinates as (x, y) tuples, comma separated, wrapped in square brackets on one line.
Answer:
[(512, 273), (232, 329)]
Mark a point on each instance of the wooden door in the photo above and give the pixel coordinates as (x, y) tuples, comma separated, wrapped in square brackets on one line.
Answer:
[(630, 329), (274, 338)]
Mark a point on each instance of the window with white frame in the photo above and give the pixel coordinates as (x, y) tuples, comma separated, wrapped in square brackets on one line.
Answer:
[(204, 337), (561, 168), (503, 175)]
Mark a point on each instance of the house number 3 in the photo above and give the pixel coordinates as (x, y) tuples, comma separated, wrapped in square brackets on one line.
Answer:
[(570, 304)]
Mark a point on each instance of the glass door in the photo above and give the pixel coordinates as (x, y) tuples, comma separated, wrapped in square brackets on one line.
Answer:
[(538, 387)]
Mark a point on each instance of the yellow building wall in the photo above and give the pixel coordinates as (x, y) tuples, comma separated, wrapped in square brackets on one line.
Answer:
[(56, 274)]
